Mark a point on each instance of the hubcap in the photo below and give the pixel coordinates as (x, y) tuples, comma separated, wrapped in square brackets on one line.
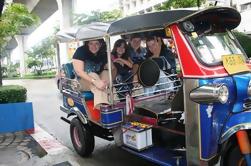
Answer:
[(76, 137)]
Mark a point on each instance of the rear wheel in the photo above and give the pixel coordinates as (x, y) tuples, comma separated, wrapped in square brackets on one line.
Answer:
[(82, 138)]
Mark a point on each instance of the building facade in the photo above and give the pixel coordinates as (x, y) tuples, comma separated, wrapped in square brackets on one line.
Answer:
[(244, 7), (130, 7)]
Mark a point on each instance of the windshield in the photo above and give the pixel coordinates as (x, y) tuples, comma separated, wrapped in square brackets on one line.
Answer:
[(211, 47)]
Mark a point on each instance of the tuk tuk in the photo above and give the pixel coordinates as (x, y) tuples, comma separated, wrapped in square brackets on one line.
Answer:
[(204, 118)]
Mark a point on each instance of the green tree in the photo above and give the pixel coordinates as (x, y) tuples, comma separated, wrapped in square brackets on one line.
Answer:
[(43, 52), (35, 64), (179, 4), (244, 41), (14, 18), (97, 16), (4, 71), (108, 16), (12, 70)]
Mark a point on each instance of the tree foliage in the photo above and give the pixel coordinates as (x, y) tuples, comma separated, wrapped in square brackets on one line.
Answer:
[(244, 41), (41, 53), (14, 18), (97, 16), (179, 4)]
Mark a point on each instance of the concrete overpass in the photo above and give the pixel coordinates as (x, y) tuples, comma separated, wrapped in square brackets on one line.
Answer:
[(44, 9)]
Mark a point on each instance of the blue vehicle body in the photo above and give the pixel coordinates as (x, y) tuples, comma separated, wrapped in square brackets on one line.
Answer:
[(217, 118)]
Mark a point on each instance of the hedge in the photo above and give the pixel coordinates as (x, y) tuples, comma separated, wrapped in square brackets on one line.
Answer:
[(12, 94), (244, 41)]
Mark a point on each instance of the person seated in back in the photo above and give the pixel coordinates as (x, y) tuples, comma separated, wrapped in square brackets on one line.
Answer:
[(123, 65), (137, 53), (157, 51), (89, 62)]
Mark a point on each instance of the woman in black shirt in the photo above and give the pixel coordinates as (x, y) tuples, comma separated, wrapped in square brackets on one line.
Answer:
[(89, 62)]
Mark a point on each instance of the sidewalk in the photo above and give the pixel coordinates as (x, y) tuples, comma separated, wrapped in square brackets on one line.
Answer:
[(38, 149)]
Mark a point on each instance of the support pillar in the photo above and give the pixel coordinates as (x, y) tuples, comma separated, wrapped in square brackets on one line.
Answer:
[(65, 9), (22, 45)]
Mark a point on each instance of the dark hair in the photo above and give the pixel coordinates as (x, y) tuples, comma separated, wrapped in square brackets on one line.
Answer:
[(132, 36), (135, 35), (102, 45), (150, 38), (117, 44)]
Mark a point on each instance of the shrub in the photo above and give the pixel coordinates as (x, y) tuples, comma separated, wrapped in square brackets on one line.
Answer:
[(244, 41), (12, 94)]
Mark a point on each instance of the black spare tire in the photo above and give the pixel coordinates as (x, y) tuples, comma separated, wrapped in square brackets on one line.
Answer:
[(148, 73)]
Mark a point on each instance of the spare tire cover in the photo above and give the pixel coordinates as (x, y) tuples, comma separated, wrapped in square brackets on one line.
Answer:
[(148, 73)]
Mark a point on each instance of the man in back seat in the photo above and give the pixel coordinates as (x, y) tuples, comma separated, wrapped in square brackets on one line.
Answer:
[(90, 65)]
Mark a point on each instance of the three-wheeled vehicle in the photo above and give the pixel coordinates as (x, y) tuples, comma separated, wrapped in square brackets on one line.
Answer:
[(204, 118)]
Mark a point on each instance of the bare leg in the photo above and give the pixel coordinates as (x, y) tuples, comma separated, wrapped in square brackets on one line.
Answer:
[(99, 95)]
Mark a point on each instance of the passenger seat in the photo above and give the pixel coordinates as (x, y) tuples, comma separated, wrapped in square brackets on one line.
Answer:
[(69, 73)]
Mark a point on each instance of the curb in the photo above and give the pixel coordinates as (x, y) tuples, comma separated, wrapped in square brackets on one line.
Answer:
[(47, 142), (57, 153)]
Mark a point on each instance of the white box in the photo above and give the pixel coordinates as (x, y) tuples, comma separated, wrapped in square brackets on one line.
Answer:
[(137, 138)]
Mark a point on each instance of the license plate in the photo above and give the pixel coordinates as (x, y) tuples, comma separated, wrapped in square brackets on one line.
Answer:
[(234, 64)]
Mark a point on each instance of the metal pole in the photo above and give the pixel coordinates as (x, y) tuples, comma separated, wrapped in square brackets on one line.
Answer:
[(110, 90), (58, 57)]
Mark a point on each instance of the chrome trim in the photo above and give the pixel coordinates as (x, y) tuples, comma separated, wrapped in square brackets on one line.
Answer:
[(249, 88), (62, 108), (79, 114), (208, 94), (113, 111), (110, 125), (234, 129), (247, 105), (110, 90), (192, 124)]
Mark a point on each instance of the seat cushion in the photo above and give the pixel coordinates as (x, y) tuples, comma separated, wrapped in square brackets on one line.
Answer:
[(88, 95)]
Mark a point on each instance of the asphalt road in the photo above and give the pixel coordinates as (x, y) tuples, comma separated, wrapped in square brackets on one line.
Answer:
[(46, 100)]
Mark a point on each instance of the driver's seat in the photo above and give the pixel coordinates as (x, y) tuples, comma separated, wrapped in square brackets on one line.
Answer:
[(69, 73)]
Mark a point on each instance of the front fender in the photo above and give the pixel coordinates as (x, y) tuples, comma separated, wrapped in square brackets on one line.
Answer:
[(80, 115), (236, 122)]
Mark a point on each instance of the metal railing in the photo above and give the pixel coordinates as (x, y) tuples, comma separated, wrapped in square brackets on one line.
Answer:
[(134, 89)]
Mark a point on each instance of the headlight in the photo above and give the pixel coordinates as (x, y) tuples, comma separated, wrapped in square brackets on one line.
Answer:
[(210, 94), (249, 88), (223, 94)]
